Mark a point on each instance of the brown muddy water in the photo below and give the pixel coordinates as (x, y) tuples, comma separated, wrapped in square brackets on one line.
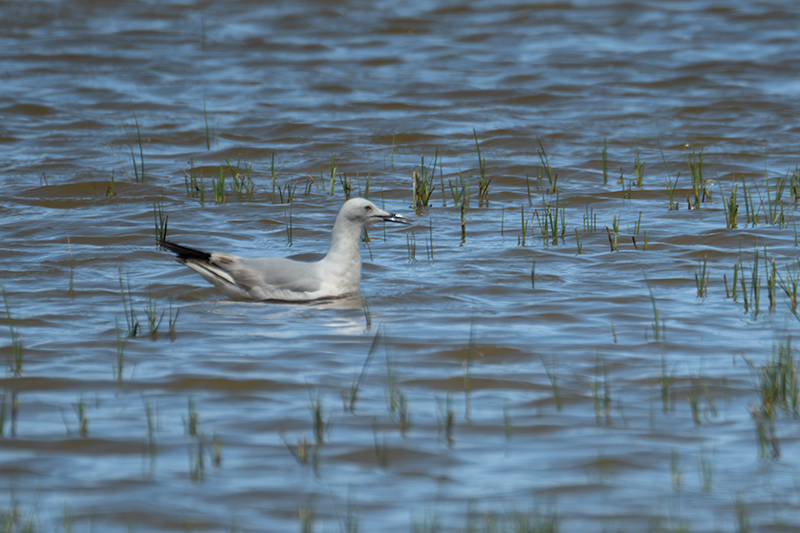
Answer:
[(492, 376)]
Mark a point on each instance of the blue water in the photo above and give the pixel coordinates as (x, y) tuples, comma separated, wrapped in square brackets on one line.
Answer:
[(531, 372)]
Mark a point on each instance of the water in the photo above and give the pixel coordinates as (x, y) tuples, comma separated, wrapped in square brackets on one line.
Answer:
[(527, 400)]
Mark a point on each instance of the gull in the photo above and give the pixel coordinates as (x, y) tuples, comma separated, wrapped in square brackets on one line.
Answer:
[(276, 278)]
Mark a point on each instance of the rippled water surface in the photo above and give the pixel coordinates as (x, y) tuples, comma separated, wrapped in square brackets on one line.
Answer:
[(489, 377)]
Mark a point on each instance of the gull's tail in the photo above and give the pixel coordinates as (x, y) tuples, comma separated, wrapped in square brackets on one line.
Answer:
[(184, 253)]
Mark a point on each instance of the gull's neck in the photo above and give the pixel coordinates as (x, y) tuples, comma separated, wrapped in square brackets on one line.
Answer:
[(343, 260)]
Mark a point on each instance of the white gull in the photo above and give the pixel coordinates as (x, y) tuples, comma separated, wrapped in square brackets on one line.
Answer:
[(276, 278)]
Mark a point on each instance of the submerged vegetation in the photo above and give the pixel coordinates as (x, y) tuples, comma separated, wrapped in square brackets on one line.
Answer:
[(590, 324), (770, 202), (390, 411)]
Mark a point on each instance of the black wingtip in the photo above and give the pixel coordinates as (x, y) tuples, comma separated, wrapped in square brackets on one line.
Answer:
[(184, 252)]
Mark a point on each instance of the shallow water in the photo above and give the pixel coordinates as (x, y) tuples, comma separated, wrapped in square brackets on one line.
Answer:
[(537, 386)]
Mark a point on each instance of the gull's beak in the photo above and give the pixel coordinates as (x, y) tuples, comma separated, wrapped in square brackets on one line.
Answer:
[(394, 217)]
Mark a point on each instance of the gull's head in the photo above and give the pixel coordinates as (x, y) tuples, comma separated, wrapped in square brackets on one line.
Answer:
[(364, 213)]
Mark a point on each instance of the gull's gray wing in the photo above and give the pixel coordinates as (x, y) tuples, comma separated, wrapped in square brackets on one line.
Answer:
[(262, 278), (271, 273)]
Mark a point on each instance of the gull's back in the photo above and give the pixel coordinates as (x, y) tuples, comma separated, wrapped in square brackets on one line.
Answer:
[(263, 278)]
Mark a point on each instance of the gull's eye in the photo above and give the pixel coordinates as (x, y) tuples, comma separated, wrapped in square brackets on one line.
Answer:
[(367, 208)]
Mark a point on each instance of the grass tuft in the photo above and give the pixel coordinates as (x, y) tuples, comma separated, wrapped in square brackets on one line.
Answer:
[(789, 286), (589, 219), (120, 162), (659, 327), (778, 382), (601, 392), (699, 190), (218, 186), (483, 181), (83, 422), (111, 190), (552, 375), (665, 383), (332, 173), (130, 314), (429, 241), (205, 117), (241, 178), (347, 186), (555, 225), (731, 207), (411, 246), (548, 170), (774, 209), (422, 183), (701, 278), (319, 426), (778, 391), (140, 176), (151, 312), (17, 354), (381, 450), (121, 340), (638, 167), (172, 321), (706, 471), (194, 183), (161, 220), (289, 224), (460, 191), (447, 418), (395, 400), (669, 183), (356, 385)]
